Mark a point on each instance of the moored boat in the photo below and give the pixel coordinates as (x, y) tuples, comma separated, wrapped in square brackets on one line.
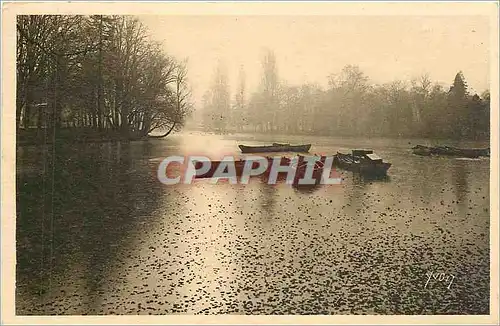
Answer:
[(422, 150), (214, 165), (239, 166), (302, 165), (275, 147), (362, 161), (475, 152), (450, 151)]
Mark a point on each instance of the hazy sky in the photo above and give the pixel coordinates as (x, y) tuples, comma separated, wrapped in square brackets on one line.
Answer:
[(309, 48)]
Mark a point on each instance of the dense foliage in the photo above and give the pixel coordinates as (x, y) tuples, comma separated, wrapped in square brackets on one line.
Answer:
[(352, 106), (97, 75)]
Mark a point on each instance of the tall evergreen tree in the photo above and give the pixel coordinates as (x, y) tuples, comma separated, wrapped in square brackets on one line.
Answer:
[(458, 96)]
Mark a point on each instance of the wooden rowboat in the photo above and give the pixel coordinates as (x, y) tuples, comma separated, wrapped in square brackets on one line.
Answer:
[(317, 169), (275, 147), (214, 165), (300, 165)]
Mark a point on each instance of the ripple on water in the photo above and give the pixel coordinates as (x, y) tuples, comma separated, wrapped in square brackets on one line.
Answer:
[(122, 243)]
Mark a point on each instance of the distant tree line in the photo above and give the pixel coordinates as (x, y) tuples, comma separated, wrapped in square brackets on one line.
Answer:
[(351, 106), (96, 76)]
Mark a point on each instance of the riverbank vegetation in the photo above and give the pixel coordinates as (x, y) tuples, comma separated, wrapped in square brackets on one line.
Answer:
[(350, 106), (91, 78)]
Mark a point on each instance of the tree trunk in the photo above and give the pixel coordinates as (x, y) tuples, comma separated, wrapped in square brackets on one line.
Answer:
[(100, 121), (165, 134)]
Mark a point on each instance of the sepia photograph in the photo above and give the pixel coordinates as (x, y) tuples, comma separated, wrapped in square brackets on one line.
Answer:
[(250, 159)]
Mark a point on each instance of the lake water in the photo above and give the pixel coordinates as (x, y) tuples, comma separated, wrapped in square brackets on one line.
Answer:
[(97, 233)]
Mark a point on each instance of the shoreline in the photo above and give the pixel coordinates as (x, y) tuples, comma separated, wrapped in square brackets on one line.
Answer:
[(114, 138)]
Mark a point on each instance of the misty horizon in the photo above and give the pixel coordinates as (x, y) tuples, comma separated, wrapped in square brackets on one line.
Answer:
[(309, 49)]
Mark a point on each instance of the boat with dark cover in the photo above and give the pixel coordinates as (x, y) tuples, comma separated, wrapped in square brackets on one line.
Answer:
[(362, 161), (450, 151)]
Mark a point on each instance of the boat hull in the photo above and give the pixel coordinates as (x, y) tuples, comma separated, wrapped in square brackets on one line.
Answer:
[(300, 166), (451, 151), (350, 163), (238, 165), (272, 148)]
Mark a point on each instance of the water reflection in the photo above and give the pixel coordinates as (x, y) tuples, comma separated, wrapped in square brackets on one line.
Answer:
[(74, 215), (268, 199), (307, 189), (362, 179), (459, 177), (121, 242)]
